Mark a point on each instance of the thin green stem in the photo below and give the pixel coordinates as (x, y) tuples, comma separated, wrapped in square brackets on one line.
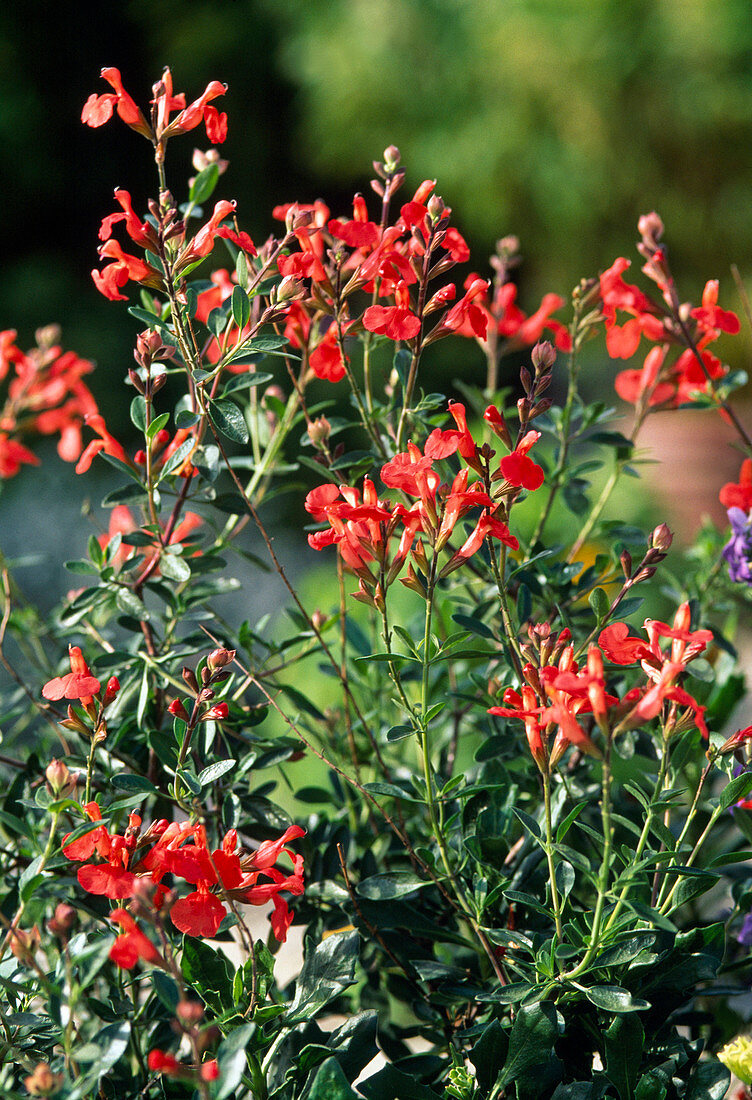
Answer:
[(604, 873), (555, 898)]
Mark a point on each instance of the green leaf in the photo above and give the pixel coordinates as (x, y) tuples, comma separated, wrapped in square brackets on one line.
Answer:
[(166, 989), (624, 1041), (241, 307), (326, 971), (531, 1062), (564, 879), (138, 412), (489, 1054), (208, 971), (177, 457), (229, 420), (174, 568), (157, 424), (612, 998), (392, 790), (82, 568), (599, 602), (393, 884), (391, 1083), (709, 1081), (232, 1061), (330, 1083), (215, 771), (396, 733), (736, 790), (130, 604), (529, 823), (128, 782), (204, 184)]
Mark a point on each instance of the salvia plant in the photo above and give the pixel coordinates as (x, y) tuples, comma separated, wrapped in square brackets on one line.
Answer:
[(509, 811)]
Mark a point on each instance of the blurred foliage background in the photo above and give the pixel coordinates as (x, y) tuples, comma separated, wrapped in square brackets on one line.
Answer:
[(560, 123)]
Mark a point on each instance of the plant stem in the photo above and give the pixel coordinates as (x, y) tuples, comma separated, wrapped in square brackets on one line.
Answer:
[(555, 899)]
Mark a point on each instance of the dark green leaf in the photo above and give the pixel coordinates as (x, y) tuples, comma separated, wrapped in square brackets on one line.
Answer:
[(612, 998), (241, 307), (166, 989), (394, 884), (330, 1083), (138, 412), (229, 420), (128, 782), (232, 1061), (531, 1063), (215, 771), (599, 602), (208, 971), (736, 790), (326, 971), (624, 1041)]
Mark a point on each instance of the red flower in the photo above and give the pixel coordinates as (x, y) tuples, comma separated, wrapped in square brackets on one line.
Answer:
[(620, 647), (326, 360), (467, 314), (520, 470), (98, 109), (398, 322), (739, 494), (358, 233), (76, 684), (106, 443), (131, 945), (111, 278)]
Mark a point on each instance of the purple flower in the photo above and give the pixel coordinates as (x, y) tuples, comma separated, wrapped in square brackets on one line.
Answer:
[(738, 550), (745, 932)]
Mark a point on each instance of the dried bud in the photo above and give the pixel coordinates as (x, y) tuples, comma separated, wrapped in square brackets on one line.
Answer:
[(319, 431), (59, 778), (289, 289), (43, 1082), (644, 574), (650, 228), (736, 741), (661, 539), (134, 378), (543, 356), (318, 618), (23, 944)]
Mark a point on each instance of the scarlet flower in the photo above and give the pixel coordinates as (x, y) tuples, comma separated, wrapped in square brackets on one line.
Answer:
[(98, 109), (326, 360), (358, 233), (619, 646), (520, 470), (738, 494), (106, 443), (76, 684), (398, 322), (114, 276), (131, 945), (467, 313), (141, 233)]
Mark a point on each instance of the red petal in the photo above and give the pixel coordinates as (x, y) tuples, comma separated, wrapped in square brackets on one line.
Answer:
[(199, 914)]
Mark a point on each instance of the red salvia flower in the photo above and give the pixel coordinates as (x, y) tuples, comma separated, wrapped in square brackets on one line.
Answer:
[(398, 322), (76, 684)]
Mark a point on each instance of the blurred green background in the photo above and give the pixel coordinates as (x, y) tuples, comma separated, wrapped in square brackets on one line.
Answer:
[(559, 122)]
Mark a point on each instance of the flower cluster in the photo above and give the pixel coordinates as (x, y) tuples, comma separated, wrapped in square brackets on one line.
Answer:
[(557, 691), (46, 395), (663, 380), (363, 528), (135, 864)]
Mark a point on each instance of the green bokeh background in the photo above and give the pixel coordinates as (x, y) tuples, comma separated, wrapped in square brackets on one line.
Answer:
[(559, 122)]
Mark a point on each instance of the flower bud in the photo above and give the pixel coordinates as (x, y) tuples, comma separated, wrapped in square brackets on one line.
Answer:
[(59, 778), (626, 563), (190, 678), (43, 1082), (543, 356), (113, 687), (218, 658), (661, 538), (319, 431), (189, 1012), (63, 920), (218, 712), (177, 710)]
